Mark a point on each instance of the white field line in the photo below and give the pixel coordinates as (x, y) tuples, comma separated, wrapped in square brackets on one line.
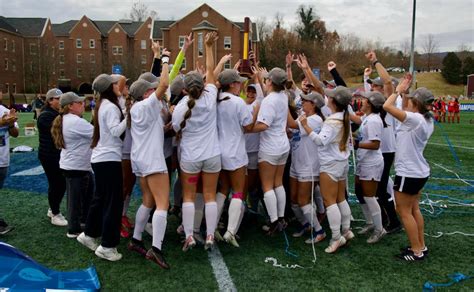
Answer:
[(221, 273), (455, 146), (32, 171)]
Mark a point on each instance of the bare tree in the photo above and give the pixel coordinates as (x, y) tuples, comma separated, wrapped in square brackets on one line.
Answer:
[(278, 20), (430, 46), (140, 12)]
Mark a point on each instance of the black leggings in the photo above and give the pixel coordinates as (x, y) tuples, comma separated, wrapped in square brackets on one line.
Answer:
[(56, 183), (382, 193)]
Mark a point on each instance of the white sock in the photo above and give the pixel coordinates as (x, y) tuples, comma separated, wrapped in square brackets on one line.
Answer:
[(242, 212), (159, 227), (141, 218), (367, 216), (235, 209), (220, 200), (271, 204), (334, 218), (126, 203), (375, 212), (188, 218), (198, 211), (345, 215), (299, 214), (281, 200), (319, 200), (211, 217), (310, 215)]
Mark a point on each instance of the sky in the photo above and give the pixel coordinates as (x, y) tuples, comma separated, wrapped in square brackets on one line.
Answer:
[(389, 22)]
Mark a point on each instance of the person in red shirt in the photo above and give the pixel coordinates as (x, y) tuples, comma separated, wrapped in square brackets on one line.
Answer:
[(456, 110), (442, 111), (451, 110)]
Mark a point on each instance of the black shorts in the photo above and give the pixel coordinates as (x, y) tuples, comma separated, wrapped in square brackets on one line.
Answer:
[(409, 185)]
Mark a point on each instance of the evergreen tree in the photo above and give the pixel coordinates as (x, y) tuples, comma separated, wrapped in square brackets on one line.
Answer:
[(452, 68), (467, 68)]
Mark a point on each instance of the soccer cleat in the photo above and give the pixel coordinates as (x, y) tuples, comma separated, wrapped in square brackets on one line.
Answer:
[(230, 238), (209, 242), (409, 256), (124, 233), (316, 236), (5, 229), (366, 229), (274, 227), (87, 241), (376, 236), (408, 249), (334, 245), (137, 246), (189, 243), (72, 235), (126, 222), (59, 220), (266, 228), (301, 230), (179, 230), (217, 236), (348, 234), (282, 224), (156, 255), (110, 254), (198, 238)]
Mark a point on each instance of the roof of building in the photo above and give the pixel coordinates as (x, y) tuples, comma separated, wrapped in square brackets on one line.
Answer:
[(6, 26), (158, 25), (131, 27), (63, 29), (28, 27), (204, 25), (104, 26)]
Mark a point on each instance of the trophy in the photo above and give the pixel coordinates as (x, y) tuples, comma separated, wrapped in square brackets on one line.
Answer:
[(244, 67)]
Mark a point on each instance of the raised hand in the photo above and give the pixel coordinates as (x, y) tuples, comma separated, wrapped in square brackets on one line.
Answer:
[(331, 65), (405, 84), (302, 62), (211, 38), (289, 59), (237, 65), (225, 58), (188, 41), (155, 47), (368, 71), (200, 68), (165, 52)]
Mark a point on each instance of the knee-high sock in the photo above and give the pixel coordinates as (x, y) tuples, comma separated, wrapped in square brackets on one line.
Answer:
[(188, 218), (235, 209), (310, 215), (299, 214), (220, 200), (126, 203), (318, 199), (141, 219), (367, 215), (334, 218), (281, 200), (345, 215), (242, 212), (211, 218), (271, 204), (198, 211), (159, 227), (374, 212), (177, 192)]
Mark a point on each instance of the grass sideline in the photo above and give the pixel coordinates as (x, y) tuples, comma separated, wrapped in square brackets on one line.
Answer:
[(356, 267)]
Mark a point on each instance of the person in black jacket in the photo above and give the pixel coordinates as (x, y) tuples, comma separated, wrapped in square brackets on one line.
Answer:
[(49, 157)]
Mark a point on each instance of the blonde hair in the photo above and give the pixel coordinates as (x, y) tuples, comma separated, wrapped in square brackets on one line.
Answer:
[(57, 128)]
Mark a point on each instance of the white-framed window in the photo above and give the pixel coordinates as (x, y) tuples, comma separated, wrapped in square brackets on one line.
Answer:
[(79, 43), (143, 59), (53, 50), (14, 87), (13, 46), (14, 65), (181, 41), (32, 49), (79, 72), (62, 74), (79, 58), (91, 44), (61, 45), (200, 45), (5, 44), (227, 65), (92, 58), (6, 64), (227, 43), (61, 59), (143, 44), (117, 50)]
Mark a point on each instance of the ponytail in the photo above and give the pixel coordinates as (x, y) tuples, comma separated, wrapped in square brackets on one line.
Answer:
[(346, 130), (381, 112), (57, 128), (193, 94)]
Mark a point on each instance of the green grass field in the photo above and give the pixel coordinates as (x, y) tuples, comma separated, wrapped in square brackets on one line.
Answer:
[(355, 267)]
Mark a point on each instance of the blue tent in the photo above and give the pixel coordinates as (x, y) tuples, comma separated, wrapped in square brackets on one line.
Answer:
[(20, 272)]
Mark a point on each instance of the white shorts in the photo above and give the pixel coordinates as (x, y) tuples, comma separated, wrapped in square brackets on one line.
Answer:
[(337, 170), (253, 160), (211, 165), (303, 178), (273, 159), (371, 172)]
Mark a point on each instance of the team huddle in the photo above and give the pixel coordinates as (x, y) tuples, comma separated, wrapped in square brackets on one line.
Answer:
[(230, 138)]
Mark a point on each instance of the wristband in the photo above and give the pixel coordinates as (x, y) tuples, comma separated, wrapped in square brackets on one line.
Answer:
[(375, 62), (165, 59)]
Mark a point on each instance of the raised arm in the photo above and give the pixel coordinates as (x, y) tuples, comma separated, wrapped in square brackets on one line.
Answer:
[(335, 75), (367, 72), (211, 38), (221, 63), (387, 80), (390, 107), (156, 66), (302, 62), (179, 59), (164, 77)]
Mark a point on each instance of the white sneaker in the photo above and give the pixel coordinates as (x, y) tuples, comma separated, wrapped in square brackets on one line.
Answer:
[(149, 229), (110, 254), (209, 242), (59, 220), (348, 234), (50, 213), (230, 238), (87, 241), (316, 237), (72, 235), (376, 236), (335, 245), (366, 229)]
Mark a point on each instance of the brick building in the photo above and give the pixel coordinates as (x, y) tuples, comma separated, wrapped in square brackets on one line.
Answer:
[(36, 55)]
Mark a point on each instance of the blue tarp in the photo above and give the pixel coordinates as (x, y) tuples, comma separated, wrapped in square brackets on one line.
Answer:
[(20, 272)]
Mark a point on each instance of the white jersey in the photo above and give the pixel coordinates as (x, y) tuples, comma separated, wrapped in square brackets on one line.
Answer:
[(232, 115), (304, 153), (328, 140), (388, 135), (412, 137), (199, 138), (5, 140), (147, 137), (168, 142), (127, 144), (370, 130), (77, 134), (252, 140), (109, 147), (274, 113)]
